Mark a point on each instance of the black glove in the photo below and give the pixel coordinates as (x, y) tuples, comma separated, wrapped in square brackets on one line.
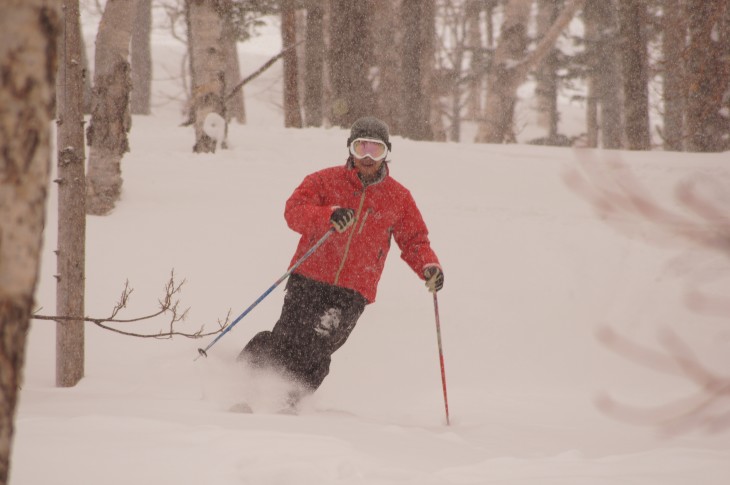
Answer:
[(434, 278), (342, 218)]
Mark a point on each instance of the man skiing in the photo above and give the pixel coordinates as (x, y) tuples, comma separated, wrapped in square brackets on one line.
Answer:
[(328, 292)]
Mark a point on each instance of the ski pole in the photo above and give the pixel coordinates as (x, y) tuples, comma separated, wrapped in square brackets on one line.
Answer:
[(204, 352), (441, 356)]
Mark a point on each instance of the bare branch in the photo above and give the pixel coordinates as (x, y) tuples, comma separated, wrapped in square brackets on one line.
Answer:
[(168, 304), (618, 197)]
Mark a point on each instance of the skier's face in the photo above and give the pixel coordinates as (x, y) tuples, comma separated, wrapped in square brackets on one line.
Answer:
[(367, 167)]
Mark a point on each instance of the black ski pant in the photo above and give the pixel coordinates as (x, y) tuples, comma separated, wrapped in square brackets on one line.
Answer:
[(315, 321)]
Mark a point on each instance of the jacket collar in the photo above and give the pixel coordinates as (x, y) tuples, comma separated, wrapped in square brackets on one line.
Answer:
[(384, 172)]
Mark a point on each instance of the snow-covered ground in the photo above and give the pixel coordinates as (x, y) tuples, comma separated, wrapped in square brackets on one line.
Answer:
[(531, 273)]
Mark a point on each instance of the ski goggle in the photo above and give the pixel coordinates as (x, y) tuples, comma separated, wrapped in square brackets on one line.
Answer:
[(368, 147)]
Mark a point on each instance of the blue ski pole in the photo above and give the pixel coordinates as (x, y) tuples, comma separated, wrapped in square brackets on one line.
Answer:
[(204, 352)]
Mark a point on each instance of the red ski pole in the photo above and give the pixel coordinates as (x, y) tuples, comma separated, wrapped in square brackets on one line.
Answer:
[(441, 356)]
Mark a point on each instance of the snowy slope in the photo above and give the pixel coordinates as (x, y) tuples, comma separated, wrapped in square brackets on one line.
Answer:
[(531, 272)]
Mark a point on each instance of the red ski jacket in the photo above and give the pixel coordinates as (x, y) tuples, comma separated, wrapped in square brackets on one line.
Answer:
[(355, 258)]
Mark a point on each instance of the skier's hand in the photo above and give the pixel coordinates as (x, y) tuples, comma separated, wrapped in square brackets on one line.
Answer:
[(434, 278), (342, 218)]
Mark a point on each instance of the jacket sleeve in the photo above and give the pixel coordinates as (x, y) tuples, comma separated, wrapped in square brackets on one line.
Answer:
[(305, 211), (411, 235)]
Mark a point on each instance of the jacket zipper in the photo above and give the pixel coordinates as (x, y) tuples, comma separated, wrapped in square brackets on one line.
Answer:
[(349, 238)]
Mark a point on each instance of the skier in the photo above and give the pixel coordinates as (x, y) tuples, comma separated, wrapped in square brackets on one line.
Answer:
[(326, 295)]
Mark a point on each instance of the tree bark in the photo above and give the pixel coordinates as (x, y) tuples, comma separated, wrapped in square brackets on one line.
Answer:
[(351, 59), (477, 62), (207, 68), (110, 117), (292, 111), (708, 76), (71, 201), (418, 18), (314, 50), (546, 90), (674, 33), (386, 42), (28, 40), (635, 66), (604, 78), (235, 105), (142, 59), (510, 67)]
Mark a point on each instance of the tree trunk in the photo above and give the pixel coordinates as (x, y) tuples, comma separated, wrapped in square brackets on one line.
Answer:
[(635, 66), (503, 79), (604, 80), (28, 36), (546, 90), (674, 33), (292, 111), (110, 118), (510, 67), (71, 201), (207, 68), (351, 59), (418, 18), (477, 63), (235, 106), (387, 59), (314, 50), (708, 76), (141, 59)]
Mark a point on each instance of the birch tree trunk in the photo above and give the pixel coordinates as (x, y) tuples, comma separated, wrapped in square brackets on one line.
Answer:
[(510, 66), (110, 117), (141, 59), (674, 33), (207, 68), (28, 36), (71, 201), (635, 65), (235, 106)]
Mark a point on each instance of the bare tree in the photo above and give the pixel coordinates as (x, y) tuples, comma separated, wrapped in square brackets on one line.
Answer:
[(511, 64), (207, 66), (635, 66), (71, 200), (141, 59), (110, 117), (28, 39), (703, 224)]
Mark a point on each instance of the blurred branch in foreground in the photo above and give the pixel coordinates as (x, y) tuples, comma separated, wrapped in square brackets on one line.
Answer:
[(168, 305), (700, 221)]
